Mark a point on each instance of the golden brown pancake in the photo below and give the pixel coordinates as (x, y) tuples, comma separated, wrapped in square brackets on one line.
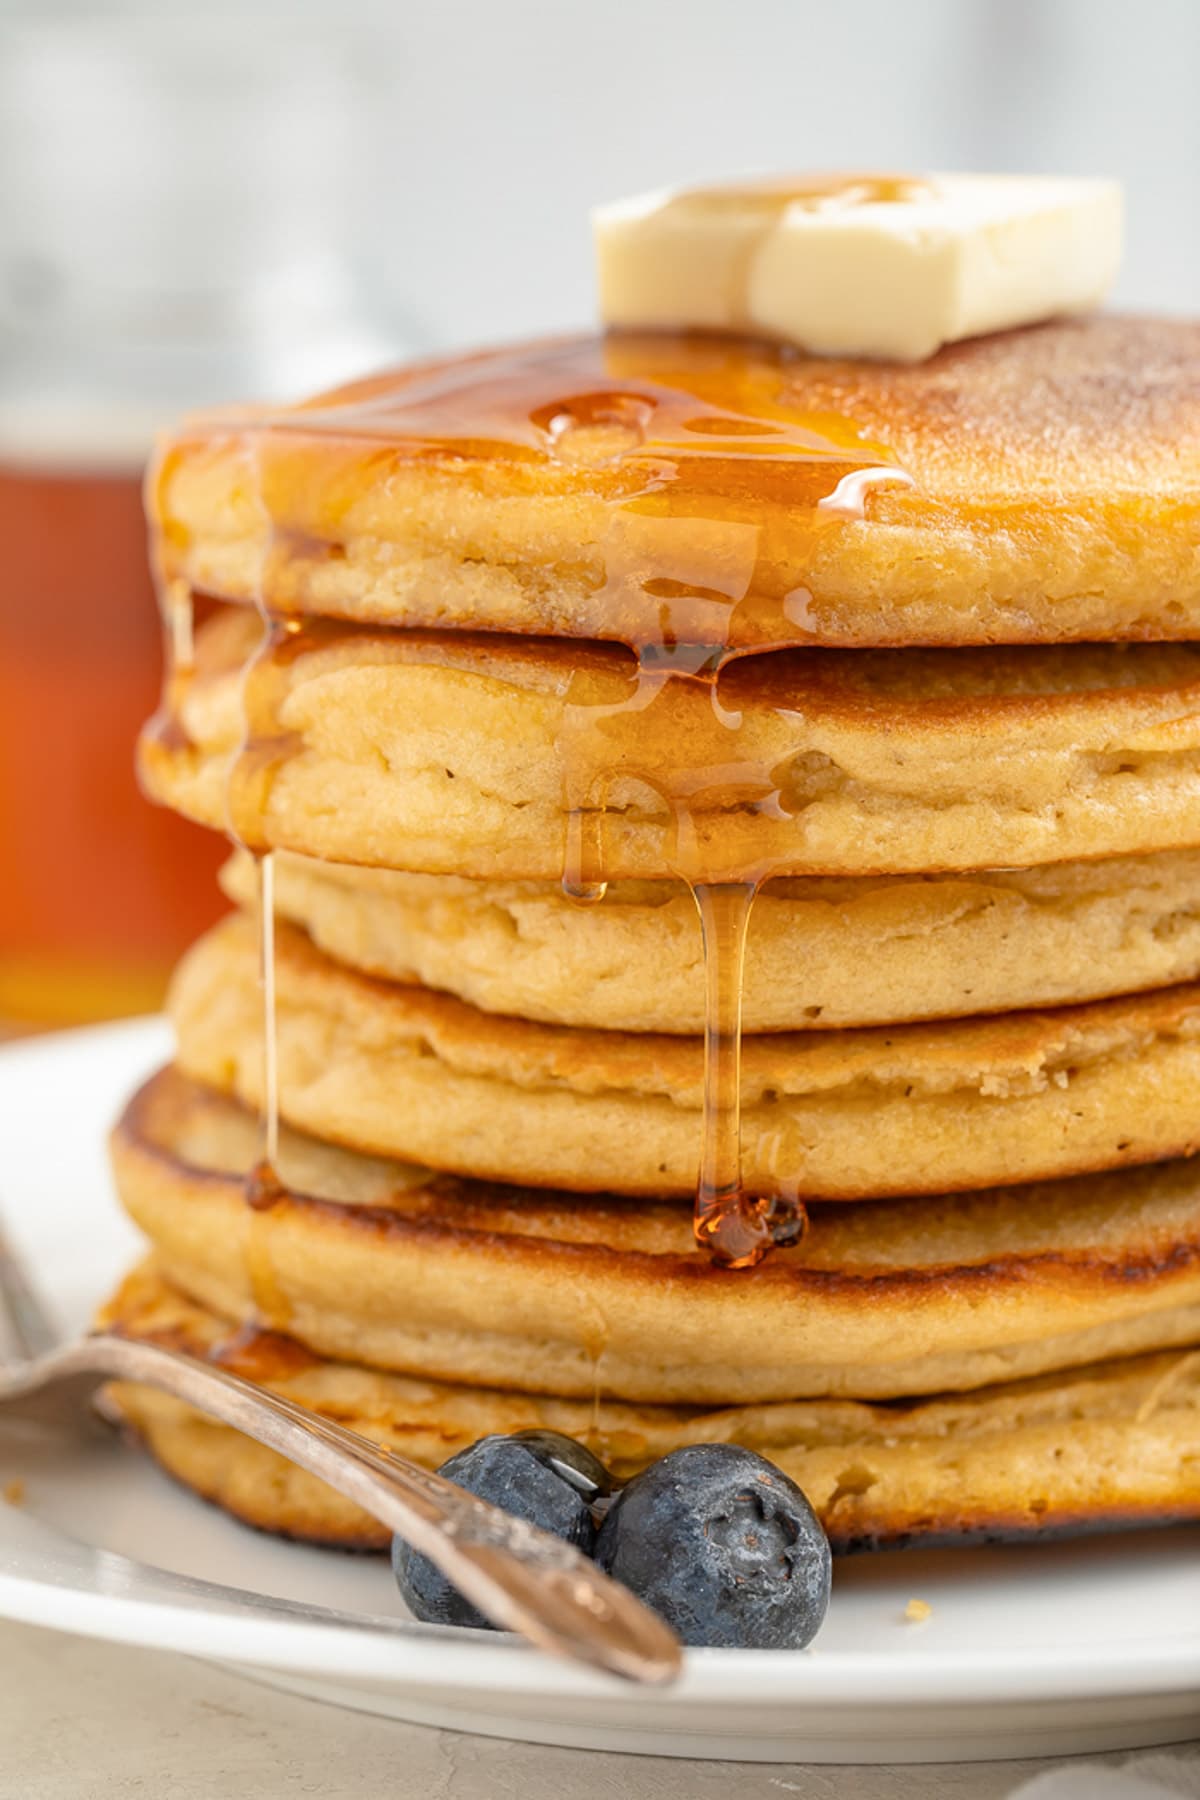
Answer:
[(639, 486), (841, 1115), (820, 952), (374, 1262), (1106, 1447), (468, 756)]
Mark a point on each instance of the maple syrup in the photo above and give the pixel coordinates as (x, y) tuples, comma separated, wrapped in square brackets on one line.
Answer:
[(736, 1228), (263, 1357), (691, 454), (687, 438), (263, 1187), (826, 192)]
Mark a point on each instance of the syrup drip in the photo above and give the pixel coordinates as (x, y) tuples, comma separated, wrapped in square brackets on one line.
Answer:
[(736, 1227), (176, 611), (690, 443), (266, 744), (582, 878), (263, 1187), (179, 618), (264, 749), (262, 1357), (724, 1219)]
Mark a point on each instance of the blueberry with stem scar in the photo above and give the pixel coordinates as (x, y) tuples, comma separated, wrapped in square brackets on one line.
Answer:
[(723, 1546)]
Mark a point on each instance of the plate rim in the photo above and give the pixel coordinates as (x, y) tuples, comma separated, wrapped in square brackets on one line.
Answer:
[(237, 1626), (362, 1647)]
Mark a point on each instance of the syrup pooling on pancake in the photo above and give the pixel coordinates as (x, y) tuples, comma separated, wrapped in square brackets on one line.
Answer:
[(1055, 487), (689, 435), (693, 433)]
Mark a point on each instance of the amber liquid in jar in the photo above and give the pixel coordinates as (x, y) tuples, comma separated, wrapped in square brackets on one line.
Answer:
[(101, 890)]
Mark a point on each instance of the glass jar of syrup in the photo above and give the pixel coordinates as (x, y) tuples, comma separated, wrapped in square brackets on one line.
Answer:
[(179, 230)]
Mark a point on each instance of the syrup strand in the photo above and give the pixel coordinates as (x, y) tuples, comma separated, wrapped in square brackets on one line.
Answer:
[(726, 1222), (175, 611), (266, 952), (179, 619), (247, 794), (263, 1186), (583, 856)]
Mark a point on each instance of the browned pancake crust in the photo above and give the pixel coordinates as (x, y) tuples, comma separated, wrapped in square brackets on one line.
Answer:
[(465, 755), (819, 953), (1056, 495), (387, 1265), (1104, 1448), (838, 1115)]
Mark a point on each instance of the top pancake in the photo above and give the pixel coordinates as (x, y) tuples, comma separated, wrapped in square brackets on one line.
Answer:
[(658, 487)]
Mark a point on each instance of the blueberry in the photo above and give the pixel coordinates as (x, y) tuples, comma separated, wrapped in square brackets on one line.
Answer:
[(522, 1478), (723, 1546), (573, 1462)]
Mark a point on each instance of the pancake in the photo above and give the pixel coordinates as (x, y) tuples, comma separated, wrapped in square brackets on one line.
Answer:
[(821, 952), (1106, 1447), (470, 756), (841, 1115), (639, 486), (388, 1265)]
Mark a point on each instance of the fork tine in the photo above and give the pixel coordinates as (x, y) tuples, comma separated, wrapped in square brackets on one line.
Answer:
[(26, 1328)]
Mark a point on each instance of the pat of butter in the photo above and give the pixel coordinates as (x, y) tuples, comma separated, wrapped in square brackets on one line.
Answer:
[(877, 266)]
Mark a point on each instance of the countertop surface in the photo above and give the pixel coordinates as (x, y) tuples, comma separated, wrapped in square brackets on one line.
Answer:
[(90, 1721)]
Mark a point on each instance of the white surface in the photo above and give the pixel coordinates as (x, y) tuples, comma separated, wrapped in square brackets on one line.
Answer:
[(86, 1721), (1027, 1652), (1159, 1778)]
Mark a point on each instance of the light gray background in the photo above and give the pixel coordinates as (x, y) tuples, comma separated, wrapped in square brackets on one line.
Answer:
[(438, 160), (447, 151), (515, 116)]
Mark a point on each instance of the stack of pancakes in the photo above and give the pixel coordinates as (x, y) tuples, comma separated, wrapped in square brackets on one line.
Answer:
[(907, 647)]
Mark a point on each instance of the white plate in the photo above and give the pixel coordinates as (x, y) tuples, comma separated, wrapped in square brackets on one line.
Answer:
[(1089, 1646)]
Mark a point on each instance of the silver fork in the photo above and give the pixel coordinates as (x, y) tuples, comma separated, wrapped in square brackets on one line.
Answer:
[(521, 1578)]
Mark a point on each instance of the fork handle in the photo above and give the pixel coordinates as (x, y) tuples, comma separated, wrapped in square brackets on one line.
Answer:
[(521, 1578)]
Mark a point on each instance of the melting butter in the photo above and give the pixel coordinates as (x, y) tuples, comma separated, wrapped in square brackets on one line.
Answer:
[(860, 265)]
